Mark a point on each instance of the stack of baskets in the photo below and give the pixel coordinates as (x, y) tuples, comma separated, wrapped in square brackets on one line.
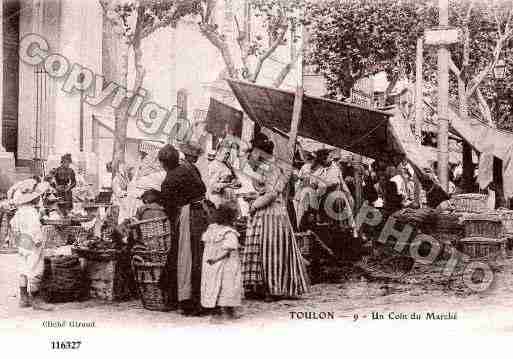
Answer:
[(148, 261), (63, 279)]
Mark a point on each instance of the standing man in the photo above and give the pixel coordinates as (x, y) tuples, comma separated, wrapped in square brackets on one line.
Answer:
[(65, 181)]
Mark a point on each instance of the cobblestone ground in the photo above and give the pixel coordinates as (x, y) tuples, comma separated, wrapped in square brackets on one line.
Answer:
[(488, 312)]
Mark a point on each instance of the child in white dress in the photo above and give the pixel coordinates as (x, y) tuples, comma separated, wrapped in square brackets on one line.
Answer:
[(221, 279), (27, 230)]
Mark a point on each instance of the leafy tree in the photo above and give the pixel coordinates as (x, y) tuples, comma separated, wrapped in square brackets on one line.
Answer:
[(356, 38), (128, 24), (279, 17)]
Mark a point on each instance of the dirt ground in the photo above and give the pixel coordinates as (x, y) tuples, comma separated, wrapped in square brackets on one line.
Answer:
[(488, 311)]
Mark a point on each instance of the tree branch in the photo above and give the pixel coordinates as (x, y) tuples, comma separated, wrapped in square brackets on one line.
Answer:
[(268, 52), (287, 68), (215, 39)]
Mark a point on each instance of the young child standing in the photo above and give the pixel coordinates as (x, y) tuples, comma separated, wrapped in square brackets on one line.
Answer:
[(221, 279), (27, 230)]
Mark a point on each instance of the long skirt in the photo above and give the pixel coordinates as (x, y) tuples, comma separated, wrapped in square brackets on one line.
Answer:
[(271, 259), (193, 223)]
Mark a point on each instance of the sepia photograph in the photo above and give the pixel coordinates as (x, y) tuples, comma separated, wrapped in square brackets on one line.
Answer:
[(208, 172)]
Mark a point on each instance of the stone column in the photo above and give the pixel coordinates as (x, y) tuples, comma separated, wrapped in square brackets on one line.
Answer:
[(6, 158)]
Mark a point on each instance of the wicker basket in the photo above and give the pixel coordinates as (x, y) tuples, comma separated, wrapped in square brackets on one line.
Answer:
[(149, 256), (507, 221), (109, 279), (99, 255), (482, 247), (147, 276), (483, 226), (63, 279), (470, 202), (154, 233)]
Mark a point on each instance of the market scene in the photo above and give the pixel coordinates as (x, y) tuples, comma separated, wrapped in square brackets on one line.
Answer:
[(244, 161)]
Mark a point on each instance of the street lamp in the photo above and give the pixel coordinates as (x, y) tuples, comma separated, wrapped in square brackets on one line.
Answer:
[(499, 71)]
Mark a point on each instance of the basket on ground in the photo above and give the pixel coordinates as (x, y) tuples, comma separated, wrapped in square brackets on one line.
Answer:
[(63, 279), (470, 202), (147, 277), (107, 272), (154, 233)]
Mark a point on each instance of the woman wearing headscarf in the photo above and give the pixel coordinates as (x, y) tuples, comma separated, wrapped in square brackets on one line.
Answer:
[(147, 175), (222, 180), (272, 263)]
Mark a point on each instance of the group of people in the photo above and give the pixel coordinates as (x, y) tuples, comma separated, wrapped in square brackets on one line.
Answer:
[(209, 265), (31, 198)]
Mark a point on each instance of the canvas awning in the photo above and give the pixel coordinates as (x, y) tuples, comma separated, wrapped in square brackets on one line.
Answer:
[(371, 133)]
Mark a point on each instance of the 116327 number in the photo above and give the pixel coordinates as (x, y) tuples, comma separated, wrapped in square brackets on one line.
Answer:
[(66, 344)]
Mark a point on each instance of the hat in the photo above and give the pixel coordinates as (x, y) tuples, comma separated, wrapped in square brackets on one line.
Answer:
[(26, 193), (66, 157), (190, 149), (322, 154)]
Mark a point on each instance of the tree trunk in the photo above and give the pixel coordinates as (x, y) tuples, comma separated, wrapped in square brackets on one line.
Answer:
[(121, 113)]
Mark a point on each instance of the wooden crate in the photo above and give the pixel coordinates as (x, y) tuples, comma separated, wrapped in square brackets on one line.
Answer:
[(482, 247), (109, 279), (470, 202)]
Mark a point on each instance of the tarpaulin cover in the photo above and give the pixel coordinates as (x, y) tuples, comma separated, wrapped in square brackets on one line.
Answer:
[(486, 139), (223, 119), (372, 133)]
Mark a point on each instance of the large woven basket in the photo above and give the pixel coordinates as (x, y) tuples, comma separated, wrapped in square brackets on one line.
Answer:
[(147, 276), (149, 256), (63, 279), (507, 221), (482, 247), (470, 202), (489, 226), (154, 233)]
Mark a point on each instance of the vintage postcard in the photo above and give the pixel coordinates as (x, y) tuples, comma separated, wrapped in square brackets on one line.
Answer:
[(214, 171)]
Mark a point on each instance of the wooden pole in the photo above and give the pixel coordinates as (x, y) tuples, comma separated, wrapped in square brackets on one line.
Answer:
[(419, 106), (443, 100), (298, 104)]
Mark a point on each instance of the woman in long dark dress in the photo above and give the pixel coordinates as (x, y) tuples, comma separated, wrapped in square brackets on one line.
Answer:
[(183, 190), (169, 160), (193, 222)]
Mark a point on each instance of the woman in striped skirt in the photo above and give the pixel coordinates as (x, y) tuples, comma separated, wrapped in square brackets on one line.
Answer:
[(272, 264)]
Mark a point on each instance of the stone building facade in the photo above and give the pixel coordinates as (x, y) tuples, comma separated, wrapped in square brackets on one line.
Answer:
[(40, 122)]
